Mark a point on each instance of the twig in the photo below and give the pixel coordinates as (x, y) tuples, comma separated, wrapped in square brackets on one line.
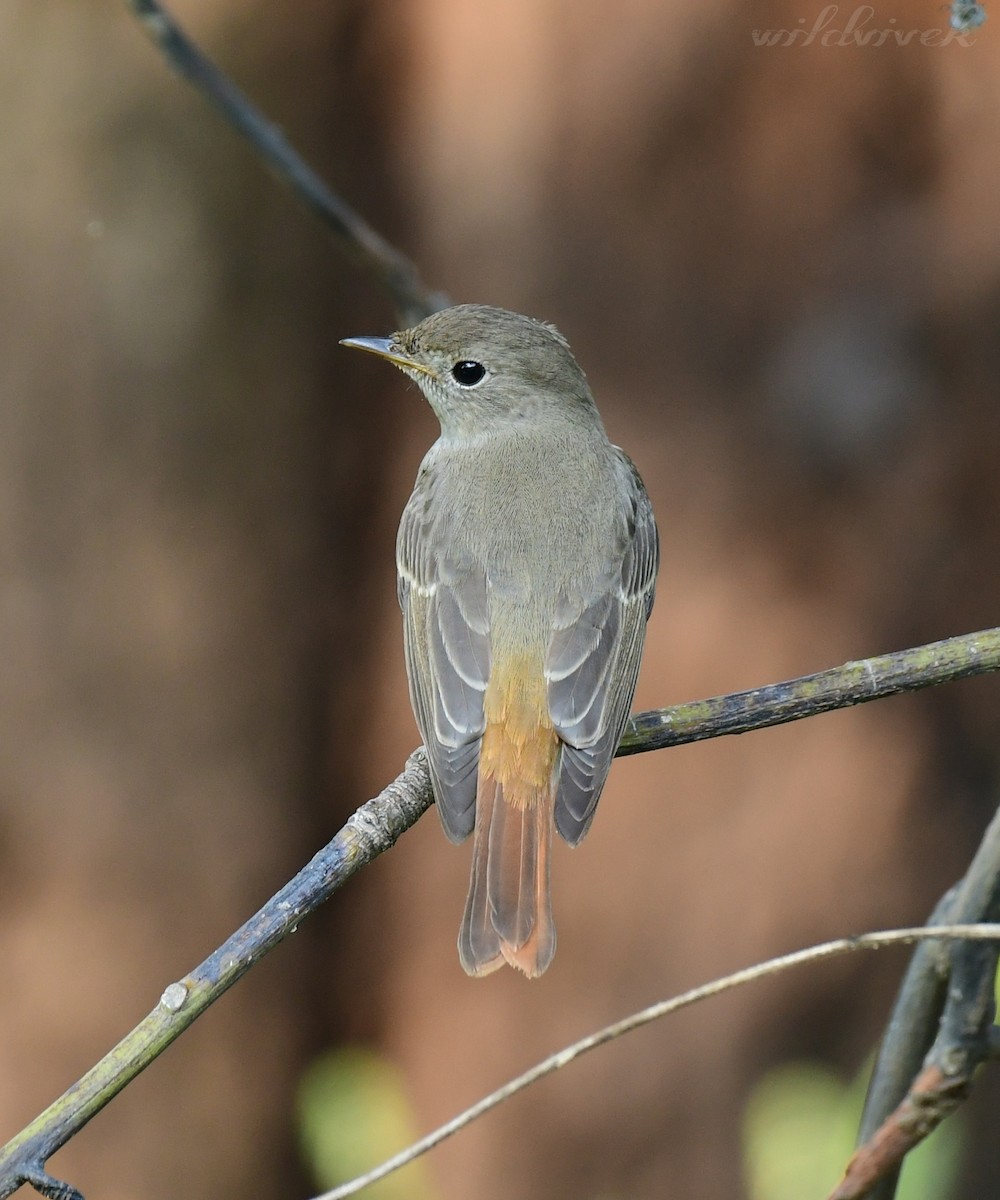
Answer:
[(413, 299), (370, 831), (909, 1034), (952, 994), (773, 966), (933, 1097), (377, 825), (854, 683)]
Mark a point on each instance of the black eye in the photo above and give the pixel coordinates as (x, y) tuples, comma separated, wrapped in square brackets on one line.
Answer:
[(467, 373)]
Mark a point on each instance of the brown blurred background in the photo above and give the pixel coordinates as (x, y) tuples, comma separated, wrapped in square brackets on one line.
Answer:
[(780, 267)]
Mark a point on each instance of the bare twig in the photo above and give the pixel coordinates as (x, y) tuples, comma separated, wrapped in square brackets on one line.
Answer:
[(950, 993), (413, 299), (909, 1034), (773, 966), (933, 1097)]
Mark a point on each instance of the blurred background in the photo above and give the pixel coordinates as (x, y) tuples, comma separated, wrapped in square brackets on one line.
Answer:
[(780, 266)]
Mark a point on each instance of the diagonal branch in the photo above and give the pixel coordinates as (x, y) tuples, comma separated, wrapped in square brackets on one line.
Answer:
[(370, 831), (947, 992), (381, 821), (397, 274), (907, 1038)]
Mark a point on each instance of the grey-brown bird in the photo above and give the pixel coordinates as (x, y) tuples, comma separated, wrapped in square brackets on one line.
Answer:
[(526, 560)]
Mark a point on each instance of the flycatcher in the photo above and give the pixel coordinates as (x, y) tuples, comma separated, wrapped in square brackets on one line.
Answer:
[(526, 562)]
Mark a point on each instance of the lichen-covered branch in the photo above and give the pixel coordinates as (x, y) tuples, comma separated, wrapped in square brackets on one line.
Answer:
[(854, 683)]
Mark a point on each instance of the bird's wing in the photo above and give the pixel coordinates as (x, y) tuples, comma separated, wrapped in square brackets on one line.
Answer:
[(593, 657), (446, 637)]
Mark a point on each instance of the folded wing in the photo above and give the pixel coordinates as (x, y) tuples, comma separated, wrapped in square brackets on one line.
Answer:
[(593, 658), (446, 638)]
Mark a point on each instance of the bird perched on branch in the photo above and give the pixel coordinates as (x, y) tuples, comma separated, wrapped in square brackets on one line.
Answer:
[(526, 560)]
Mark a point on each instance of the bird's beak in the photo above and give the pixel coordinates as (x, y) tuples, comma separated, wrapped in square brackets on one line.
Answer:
[(385, 348)]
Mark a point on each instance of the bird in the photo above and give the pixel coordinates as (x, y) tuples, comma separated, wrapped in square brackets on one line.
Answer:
[(526, 567)]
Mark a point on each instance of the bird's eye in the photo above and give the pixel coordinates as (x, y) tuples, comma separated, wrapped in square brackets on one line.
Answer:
[(468, 373)]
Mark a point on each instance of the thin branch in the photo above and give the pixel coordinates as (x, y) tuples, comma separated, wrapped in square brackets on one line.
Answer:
[(916, 1016), (377, 825), (933, 1096), (952, 994), (399, 276), (773, 966), (854, 683), (369, 832)]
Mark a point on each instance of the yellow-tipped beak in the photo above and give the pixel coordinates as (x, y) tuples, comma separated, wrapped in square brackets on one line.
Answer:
[(384, 348)]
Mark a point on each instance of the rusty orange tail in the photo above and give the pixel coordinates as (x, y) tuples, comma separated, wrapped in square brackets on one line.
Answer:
[(508, 914)]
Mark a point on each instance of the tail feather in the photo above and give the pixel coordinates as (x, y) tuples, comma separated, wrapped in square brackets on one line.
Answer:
[(532, 903), (478, 941), (512, 868), (508, 914)]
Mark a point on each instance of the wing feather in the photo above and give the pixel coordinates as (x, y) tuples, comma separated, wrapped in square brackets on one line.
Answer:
[(593, 659), (446, 639)]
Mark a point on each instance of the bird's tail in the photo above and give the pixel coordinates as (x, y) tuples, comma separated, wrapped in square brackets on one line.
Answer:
[(508, 914)]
